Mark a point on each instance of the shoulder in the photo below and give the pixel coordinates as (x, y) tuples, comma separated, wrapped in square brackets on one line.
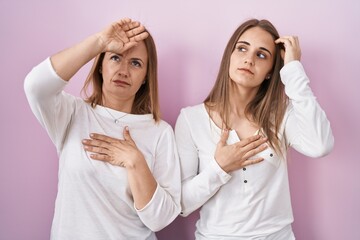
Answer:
[(163, 125), (193, 110), (192, 116)]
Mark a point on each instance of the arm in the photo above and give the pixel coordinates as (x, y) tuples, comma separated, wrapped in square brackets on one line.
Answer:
[(52, 107), (156, 194), (199, 186), (196, 187), (307, 128), (124, 153), (118, 37), (45, 83)]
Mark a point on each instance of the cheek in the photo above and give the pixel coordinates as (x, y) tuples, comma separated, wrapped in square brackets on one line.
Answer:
[(107, 73), (264, 69), (233, 66), (138, 79)]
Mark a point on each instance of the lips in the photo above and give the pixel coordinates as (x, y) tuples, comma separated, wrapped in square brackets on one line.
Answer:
[(246, 70), (121, 83)]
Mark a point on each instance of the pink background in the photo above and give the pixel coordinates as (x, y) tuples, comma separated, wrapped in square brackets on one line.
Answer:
[(190, 37)]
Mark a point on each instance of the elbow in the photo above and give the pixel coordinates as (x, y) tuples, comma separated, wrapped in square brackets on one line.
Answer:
[(27, 86), (156, 228), (30, 87), (157, 225), (323, 148)]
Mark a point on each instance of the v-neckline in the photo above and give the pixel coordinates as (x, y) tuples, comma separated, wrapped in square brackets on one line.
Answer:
[(233, 136)]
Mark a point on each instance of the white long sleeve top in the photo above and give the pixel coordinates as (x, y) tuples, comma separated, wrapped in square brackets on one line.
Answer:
[(253, 202), (94, 200)]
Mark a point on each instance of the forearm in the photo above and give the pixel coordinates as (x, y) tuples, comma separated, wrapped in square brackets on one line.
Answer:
[(67, 62), (142, 184), (307, 128), (196, 191)]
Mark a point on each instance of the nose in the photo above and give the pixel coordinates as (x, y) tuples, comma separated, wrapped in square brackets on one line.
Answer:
[(249, 59), (123, 69)]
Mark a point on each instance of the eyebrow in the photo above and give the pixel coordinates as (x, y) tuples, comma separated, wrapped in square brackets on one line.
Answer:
[(137, 59), (121, 55), (262, 48)]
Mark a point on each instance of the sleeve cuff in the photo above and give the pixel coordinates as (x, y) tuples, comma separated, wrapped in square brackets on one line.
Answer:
[(223, 176)]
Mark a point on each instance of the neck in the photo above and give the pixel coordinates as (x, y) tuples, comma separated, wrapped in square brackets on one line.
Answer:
[(240, 98), (122, 106)]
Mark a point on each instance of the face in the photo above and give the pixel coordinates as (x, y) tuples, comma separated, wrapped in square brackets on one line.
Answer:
[(252, 59), (123, 74)]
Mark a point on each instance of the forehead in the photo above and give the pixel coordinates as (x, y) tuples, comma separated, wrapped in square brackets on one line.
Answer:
[(258, 37), (138, 51)]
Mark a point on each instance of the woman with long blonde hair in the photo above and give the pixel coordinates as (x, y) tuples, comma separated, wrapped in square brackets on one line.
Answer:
[(233, 146)]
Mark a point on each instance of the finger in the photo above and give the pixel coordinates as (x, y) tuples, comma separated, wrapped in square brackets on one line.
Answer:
[(101, 144), (255, 144), (285, 41), (140, 37), (296, 41), (101, 157), (135, 32), (252, 161), (97, 150), (224, 136), (252, 152), (133, 24), (104, 138), (248, 140), (124, 22), (127, 135), (282, 53)]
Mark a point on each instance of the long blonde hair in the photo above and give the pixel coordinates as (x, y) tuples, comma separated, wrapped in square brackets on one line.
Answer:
[(268, 107), (146, 98)]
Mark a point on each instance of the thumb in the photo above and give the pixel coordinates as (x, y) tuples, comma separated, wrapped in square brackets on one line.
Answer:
[(127, 136), (224, 136)]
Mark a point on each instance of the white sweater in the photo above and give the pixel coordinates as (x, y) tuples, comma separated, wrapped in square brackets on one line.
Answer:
[(94, 200), (253, 202)]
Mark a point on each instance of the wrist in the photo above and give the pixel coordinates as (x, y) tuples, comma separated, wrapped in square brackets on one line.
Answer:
[(221, 165), (100, 42), (137, 164)]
